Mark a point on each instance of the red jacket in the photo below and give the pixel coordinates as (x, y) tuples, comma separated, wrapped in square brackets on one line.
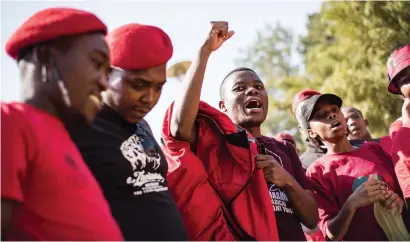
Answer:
[(220, 194)]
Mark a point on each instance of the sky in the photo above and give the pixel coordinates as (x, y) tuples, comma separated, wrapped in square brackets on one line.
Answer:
[(186, 22)]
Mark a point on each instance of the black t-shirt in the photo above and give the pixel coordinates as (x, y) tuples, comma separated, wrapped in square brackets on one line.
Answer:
[(289, 226), (131, 170)]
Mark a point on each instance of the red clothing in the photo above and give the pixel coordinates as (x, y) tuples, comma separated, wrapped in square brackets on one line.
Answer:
[(315, 236), (44, 172), (220, 194), (336, 176), (401, 158), (386, 142), (394, 127)]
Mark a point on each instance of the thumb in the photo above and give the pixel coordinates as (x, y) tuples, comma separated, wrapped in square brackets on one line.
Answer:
[(372, 177), (230, 34)]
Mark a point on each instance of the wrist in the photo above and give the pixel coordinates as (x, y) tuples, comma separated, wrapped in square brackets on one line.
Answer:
[(205, 51), (290, 185), (350, 206)]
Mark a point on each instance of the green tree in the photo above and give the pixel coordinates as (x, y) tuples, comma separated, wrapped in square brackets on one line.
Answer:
[(344, 52)]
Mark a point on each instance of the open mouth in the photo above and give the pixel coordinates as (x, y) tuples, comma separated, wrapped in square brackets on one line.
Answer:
[(335, 124), (253, 104)]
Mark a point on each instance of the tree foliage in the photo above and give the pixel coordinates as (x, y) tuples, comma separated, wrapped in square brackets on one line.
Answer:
[(344, 52)]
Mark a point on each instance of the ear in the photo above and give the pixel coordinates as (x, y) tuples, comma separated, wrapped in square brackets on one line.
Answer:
[(311, 134), (366, 122), (222, 106)]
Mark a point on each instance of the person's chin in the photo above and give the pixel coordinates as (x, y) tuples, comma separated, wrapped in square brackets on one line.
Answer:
[(134, 119), (256, 116)]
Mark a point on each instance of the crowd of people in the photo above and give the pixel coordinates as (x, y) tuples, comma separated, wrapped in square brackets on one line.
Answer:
[(80, 163)]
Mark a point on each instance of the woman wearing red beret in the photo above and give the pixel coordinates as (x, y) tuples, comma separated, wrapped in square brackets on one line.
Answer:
[(121, 150), (47, 191)]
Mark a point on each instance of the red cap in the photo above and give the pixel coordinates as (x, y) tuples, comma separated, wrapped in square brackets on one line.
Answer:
[(301, 96), (52, 23), (138, 47), (284, 136), (397, 61)]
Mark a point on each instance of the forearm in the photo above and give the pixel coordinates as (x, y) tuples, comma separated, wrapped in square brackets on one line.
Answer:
[(187, 102), (304, 205), (339, 225)]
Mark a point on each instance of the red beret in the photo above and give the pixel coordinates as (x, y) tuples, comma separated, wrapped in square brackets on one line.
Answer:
[(50, 24), (397, 61), (138, 47), (302, 95)]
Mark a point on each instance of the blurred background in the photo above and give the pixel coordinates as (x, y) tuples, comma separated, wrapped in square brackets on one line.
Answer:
[(338, 47)]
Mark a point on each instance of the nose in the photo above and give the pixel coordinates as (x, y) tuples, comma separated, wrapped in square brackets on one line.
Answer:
[(331, 116), (351, 122), (103, 82), (252, 91), (148, 96)]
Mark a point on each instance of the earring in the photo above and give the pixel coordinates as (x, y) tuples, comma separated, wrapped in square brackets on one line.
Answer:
[(64, 92), (44, 73)]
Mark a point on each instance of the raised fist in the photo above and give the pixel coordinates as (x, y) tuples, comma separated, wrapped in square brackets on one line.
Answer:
[(219, 32)]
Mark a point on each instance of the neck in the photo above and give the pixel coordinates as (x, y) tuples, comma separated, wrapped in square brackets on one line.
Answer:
[(34, 90), (42, 102), (339, 147), (255, 131), (368, 137)]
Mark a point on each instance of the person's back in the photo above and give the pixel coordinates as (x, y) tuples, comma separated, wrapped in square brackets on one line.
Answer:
[(59, 198)]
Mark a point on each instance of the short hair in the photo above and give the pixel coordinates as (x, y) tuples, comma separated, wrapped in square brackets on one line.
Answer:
[(350, 109), (229, 74), (63, 44)]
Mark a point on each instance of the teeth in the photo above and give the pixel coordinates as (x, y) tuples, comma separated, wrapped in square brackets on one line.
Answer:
[(253, 104)]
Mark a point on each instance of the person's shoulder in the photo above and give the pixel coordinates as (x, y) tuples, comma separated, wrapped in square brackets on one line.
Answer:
[(370, 145), (16, 113), (326, 163), (14, 108), (282, 145), (145, 125)]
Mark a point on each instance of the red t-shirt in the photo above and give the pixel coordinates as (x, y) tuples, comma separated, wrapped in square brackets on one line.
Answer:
[(43, 171), (386, 142), (394, 127), (336, 176), (401, 157)]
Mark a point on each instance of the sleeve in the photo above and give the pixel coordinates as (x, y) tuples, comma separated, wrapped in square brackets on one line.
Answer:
[(13, 157), (401, 158), (324, 193), (198, 203), (300, 173)]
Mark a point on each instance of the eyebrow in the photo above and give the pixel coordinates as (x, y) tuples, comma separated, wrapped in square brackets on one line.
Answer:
[(102, 53), (137, 78)]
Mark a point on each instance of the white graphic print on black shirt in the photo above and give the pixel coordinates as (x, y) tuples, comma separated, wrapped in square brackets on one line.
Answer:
[(279, 199), (146, 177)]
